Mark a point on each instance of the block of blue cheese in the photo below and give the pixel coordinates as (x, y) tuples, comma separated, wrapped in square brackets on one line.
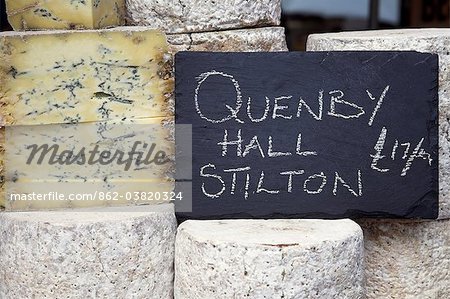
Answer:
[(65, 14), (51, 77)]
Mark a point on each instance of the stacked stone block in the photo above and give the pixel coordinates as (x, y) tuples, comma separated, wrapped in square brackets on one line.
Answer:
[(227, 25)]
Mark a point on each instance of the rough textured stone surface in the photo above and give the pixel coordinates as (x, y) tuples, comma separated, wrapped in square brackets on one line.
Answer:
[(177, 16), (105, 253), (269, 259), (422, 40), (407, 259), (259, 39)]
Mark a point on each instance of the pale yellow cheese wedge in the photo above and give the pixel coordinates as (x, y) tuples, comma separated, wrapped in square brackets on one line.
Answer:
[(51, 77), (65, 14)]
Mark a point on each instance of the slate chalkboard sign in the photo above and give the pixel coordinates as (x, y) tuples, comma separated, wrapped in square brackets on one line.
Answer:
[(318, 134)]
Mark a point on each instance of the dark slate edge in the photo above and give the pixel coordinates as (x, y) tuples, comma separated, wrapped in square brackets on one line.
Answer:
[(434, 134)]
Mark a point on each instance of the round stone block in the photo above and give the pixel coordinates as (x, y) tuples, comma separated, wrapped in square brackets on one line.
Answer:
[(407, 259), (97, 253), (269, 259), (423, 40), (266, 39)]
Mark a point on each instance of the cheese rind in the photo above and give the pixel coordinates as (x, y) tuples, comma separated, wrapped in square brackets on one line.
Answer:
[(422, 40), (65, 14), (92, 253), (284, 259), (82, 76), (267, 39)]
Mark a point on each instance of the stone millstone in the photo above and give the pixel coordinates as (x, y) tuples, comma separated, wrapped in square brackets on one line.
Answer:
[(423, 40), (407, 259), (103, 253), (200, 15), (269, 259), (269, 39)]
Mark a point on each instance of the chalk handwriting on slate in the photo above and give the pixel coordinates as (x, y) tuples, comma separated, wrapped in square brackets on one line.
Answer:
[(311, 134)]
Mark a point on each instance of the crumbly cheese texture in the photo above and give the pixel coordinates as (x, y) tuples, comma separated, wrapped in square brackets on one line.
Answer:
[(65, 14), (49, 77), (89, 194), (65, 142)]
